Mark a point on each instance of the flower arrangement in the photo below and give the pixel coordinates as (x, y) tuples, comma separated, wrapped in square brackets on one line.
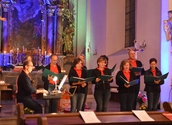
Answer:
[(141, 99), (143, 107), (28, 111)]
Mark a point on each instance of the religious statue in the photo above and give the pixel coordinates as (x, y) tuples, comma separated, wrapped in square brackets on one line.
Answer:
[(168, 26), (68, 44)]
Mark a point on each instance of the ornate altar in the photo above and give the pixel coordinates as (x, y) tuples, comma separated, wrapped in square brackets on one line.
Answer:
[(36, 27)]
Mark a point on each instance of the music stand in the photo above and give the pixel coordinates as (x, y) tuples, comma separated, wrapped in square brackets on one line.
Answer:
[(72, 87)]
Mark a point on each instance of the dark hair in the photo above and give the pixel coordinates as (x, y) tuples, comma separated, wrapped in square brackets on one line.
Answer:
[(26, 62), (152, 60), (76, 61), (53, 55), (123, 63), (170, 11), (107, 59)]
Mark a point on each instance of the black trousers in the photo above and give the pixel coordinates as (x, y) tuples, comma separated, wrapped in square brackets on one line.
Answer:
[(30, 103), (126, 101), (137, 89), (85, 98)]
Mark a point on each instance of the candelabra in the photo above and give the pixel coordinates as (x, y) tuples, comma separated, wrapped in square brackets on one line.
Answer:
[(55, 91)]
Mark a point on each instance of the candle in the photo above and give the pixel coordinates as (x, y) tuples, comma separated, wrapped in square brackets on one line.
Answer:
[(45, 53), (4, 52)]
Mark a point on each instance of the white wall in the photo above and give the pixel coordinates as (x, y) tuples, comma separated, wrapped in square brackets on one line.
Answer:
[(106, 31), (148, 29), (80, 26)]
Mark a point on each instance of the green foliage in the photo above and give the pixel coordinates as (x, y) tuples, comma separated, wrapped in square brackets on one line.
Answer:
[(69, 27)]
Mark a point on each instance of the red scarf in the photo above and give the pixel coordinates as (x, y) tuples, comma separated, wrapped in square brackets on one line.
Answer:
[(101, 70), (127, 74), (153, 72), (79, 72)]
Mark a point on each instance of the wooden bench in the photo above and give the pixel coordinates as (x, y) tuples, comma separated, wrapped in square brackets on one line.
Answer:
[(109, 118), (167, 106)]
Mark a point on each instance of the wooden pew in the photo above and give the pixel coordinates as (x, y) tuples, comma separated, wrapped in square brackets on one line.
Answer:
[(42, 120), (109, 118), (167, 106)]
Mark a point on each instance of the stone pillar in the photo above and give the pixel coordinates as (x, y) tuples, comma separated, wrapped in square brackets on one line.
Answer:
[(44, 28), (6, 6), (50, 21), (59, 42)]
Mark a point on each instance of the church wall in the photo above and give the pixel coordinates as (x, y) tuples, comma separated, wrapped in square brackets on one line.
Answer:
[(109, 15), (148, 29), (166, 48), (96, 39), (80, 25), (106, 30)]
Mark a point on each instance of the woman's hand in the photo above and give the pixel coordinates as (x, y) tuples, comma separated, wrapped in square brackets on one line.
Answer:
[(137, 73), (157, 81), (83, 84), (110, 79), (98, 79), (127, 85)]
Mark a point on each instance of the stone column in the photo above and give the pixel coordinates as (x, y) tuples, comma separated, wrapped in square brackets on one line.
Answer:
[(59, 42), (6, 6), (44, 28), (50, 21)]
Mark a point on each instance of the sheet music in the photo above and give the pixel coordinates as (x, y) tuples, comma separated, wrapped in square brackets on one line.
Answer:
[(142, 115), (89, 117)]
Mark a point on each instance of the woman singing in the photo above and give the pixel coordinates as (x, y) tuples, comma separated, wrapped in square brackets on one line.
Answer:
[(78, 98), (152, 88), (125, 91), (102, 88)]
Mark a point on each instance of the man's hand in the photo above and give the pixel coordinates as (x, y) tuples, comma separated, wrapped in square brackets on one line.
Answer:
[(50, 77)]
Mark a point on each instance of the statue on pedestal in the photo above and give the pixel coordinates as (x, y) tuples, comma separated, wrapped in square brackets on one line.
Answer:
[(67, 40), (168, 26)]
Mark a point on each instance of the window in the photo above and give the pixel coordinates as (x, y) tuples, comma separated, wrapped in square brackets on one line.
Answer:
[(129, 22)]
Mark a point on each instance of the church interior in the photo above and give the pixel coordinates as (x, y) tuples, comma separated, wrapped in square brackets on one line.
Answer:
[(69, 28)]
